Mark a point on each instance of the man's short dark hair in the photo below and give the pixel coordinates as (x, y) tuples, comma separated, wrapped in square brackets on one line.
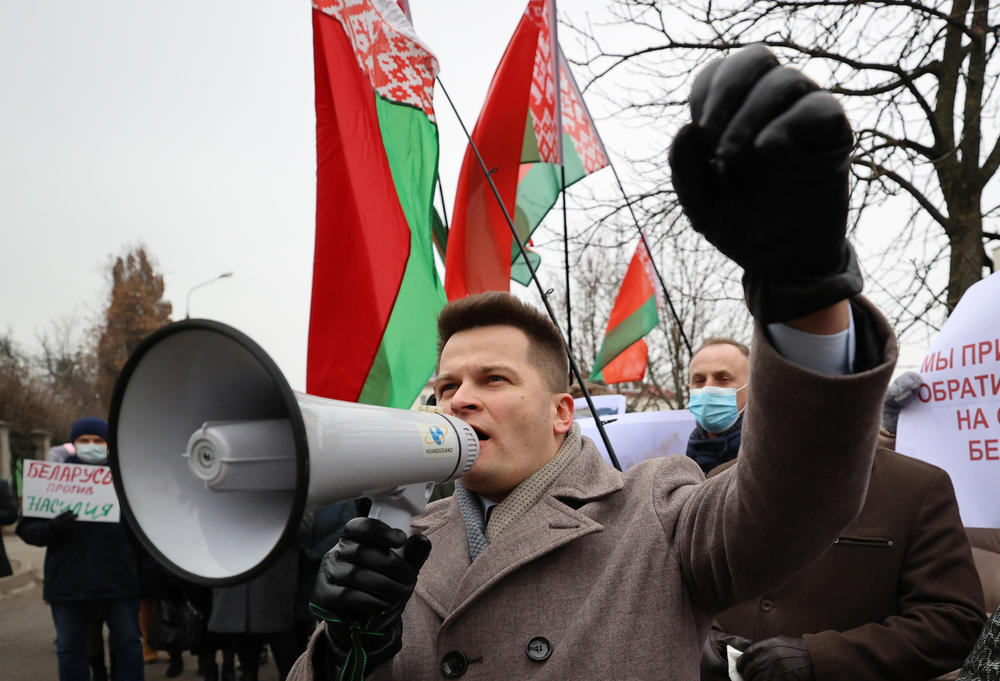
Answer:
[(722, 340), (499, 308)]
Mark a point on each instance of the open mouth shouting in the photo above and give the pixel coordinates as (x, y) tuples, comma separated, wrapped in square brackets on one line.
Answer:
[(483, 436)]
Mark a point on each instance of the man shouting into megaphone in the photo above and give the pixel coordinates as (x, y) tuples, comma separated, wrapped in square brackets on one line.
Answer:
[(549, 564)]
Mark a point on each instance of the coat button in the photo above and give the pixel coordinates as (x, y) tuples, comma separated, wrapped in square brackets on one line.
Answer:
[(538, 649), (766, 606), (454, 664)]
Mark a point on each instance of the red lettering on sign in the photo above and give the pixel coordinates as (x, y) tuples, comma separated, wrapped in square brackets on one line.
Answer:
[(984, 449)]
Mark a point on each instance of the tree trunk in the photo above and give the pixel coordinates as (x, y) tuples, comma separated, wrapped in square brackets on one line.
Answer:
[(967, 253)]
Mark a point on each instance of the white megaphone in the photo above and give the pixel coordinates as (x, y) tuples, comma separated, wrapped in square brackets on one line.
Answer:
[(215, 458)]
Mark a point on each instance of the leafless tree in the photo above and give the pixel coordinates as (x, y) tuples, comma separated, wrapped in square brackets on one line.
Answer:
[(917, 77), (66, 367), (702, 285)]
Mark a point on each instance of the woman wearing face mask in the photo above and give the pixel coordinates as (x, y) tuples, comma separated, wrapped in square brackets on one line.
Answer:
[(91, 570)]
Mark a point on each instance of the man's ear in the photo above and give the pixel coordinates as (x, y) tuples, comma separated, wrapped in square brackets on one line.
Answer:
[(563, 413)]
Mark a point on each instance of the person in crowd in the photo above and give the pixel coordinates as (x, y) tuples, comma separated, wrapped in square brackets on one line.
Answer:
[(896, 596), (169, 609), (8, 516), (985, 541), (211, 643), (147, 615), (717, 378), (95, 630), (92, 570), (61, 453), (593, 387), (260, 612), (547, 563)]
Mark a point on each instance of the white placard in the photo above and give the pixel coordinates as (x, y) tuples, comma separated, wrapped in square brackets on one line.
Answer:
[(606, 405), (733, 656), (642, 435), (955, 421), (49, 488)]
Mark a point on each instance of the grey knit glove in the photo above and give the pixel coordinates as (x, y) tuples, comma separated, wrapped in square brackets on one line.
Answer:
[(900, 393)]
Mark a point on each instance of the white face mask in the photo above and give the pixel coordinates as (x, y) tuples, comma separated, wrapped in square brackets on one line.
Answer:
[(92, 453)]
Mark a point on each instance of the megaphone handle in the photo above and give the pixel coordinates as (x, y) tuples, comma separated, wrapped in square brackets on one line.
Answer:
[(397, 508)]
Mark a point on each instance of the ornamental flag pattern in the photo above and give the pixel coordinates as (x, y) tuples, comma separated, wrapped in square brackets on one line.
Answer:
[(542, 102), (647, 266), (577, 123), (399, 67)]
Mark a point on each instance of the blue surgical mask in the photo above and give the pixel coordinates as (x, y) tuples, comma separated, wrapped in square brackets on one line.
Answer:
[(92, 453), (714, 408)]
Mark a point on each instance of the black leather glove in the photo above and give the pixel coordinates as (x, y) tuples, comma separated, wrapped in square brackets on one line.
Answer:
[(63, 521), (762, 173), (714, 659), (900, 393), (361, 590), (781, 658)]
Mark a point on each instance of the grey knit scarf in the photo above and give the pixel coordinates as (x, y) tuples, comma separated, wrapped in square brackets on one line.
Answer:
[(517, 502)]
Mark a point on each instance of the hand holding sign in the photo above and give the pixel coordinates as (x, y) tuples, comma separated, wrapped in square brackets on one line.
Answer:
[(63, 521)]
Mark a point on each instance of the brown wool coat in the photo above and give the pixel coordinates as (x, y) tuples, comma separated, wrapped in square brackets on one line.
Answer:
[(896, 597), (621, 573)]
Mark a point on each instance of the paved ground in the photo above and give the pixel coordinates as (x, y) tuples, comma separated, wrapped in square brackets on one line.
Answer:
[(27, 647)]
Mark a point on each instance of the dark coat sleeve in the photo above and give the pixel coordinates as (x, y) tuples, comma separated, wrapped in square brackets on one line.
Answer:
[(8, 504), (940, 606)]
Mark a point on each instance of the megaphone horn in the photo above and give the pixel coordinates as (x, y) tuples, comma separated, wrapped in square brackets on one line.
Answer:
[(215, 459)]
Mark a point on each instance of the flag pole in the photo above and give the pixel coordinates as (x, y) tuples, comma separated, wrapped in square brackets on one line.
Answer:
[(444, 209), (534, 277), (556, 63), (569, 316), (642, 235)]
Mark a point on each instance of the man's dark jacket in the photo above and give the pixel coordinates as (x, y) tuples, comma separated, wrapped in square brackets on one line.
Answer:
[(709, 452), (8, 516), (897, 596)]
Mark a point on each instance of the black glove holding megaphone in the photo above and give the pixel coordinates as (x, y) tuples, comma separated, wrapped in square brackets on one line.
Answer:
[(762, 173), (363, 585)]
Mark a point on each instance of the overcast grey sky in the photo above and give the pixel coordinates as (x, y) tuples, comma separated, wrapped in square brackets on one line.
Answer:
[(188, 126)]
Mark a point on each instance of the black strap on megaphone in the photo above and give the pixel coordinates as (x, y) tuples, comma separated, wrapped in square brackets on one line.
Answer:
[(534, 277)]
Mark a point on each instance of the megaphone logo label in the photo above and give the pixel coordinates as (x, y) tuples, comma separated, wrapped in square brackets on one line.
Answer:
[(435, 435), (434, 441)]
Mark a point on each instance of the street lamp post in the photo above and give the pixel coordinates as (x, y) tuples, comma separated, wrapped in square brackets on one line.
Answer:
[(187, 304)]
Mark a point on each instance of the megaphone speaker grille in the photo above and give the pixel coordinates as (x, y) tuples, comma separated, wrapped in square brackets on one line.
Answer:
[(180, 378)]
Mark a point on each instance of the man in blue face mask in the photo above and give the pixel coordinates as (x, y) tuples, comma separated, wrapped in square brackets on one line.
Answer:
[(717, 377)]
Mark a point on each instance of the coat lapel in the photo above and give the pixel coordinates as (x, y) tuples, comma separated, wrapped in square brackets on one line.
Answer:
[(450, 585), (449, 559)]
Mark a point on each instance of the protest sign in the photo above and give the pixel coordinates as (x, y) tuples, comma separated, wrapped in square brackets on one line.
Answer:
[(604, 404), (954, 421), (642, 435), (50, 488)]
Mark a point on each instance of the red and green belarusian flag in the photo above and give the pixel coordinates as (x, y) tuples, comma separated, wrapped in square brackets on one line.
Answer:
[(624, 355), (526, 133), (375, 290)]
